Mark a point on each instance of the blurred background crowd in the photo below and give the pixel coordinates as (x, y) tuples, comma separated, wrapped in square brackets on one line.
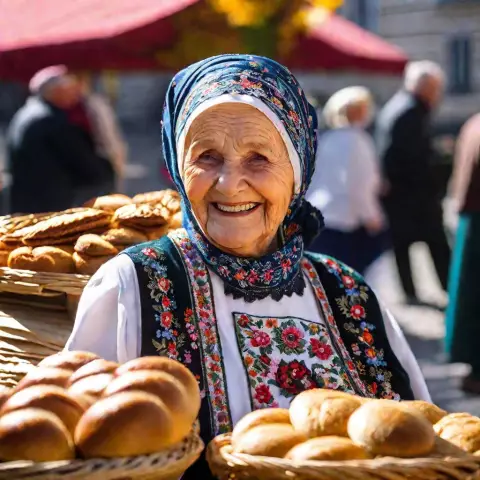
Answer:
[(397, 175)]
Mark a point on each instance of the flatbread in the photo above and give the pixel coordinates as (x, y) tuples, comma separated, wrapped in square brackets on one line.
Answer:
[(145, 215)]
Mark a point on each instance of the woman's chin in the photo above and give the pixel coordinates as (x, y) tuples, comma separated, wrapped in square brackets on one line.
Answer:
[(237, 244)]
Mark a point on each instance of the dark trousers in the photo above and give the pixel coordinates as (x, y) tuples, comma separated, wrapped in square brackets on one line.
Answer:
[(439, 250)]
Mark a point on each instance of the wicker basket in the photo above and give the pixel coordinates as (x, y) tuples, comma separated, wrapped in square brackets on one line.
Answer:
[(26, 282), (227, 465), (167, 465)]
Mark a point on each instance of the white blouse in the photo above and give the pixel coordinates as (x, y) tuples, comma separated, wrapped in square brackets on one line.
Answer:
[(108, 323)]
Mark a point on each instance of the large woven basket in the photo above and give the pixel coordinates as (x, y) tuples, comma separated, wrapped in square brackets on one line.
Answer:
[(227, 465), (167, 465)]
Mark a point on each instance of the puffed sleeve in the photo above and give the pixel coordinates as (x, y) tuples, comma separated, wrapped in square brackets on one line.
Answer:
[(405, 356), (108, 320)]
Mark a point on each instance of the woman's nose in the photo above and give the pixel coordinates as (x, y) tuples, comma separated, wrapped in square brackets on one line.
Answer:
[(230, 180)]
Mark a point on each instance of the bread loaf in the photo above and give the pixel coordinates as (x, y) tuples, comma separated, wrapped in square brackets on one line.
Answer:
[(166, 387), (34, 434), (387, 428), (259, 417), (321, 412), (68, 360), (50, 398), (94, 246), (110, 203), (95, 367), (327, 448), (172, 367), (91, 386), (124, 236), (270, 440), (5, 393), (125, 424), (45, 376), (430, 411), (461, 429), (88, 265)]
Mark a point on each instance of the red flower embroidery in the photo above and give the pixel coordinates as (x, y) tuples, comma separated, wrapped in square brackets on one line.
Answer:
[(289, 376), (166, 319), (165, 302), (367, 337), (357, 312), (252, 277), (150, 252), (348, 281), (265, 360), (243, 320), (286, 264), (262, 394), (322, 350), (291, 336), (240, 275), (268, 275), (163, 284), (260, 339)]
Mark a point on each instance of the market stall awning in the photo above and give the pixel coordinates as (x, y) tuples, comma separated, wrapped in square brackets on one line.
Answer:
[(334, 43), (84, 33)]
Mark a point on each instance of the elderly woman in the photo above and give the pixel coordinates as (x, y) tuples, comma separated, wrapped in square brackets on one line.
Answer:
[(347, 181), (234, 295)]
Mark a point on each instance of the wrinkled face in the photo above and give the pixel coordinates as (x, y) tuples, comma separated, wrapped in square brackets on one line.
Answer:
[(238, 178)]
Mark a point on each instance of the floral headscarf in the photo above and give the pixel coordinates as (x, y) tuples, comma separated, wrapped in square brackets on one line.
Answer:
[(275, 274)]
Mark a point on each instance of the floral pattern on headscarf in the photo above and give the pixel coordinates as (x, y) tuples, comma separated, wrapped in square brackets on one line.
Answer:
[(278, 273)]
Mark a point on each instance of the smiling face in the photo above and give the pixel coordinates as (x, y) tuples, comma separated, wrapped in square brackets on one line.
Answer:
[(238, 178)]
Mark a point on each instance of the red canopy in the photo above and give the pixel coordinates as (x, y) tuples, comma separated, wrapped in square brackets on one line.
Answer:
[(93, 34), (338, 44), (127, 34)]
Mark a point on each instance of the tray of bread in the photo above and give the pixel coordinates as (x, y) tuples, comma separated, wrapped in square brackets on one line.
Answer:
[(78, 416), (56, 253), (331, 435)]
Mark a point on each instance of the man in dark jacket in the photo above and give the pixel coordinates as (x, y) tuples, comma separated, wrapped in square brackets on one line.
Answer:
[(48, 158), (412, 200)]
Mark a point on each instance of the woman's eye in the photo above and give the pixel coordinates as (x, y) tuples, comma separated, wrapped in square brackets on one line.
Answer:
[(258, 159), (209, 157)]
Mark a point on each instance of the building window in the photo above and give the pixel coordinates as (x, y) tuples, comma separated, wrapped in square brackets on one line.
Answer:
[(460, 55), (365, 13)]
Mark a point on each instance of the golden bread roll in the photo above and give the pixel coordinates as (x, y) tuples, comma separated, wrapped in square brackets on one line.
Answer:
[(41, 259), (125, 424), (319, 412), (444, 448), (165, 386), (4, 254), (110, 203), (176, 220), (153, 197), (94, 246), (263, 416), (92, 386), (68, 360), (156, 233), (387, 428), (85, 400), (36, 435), (47, 397), (141, 216), (88, 265), (327, 448), (66, 248), (430, 411), (124, 236), (45, 376), (463, 430), (95, 367), (270, 440), (5, 393), (164, 364)]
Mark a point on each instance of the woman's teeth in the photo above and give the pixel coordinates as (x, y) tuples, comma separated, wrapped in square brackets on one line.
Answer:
[(236, 208)]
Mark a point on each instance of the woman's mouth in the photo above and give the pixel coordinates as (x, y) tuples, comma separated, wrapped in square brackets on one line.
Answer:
[(235, 209)]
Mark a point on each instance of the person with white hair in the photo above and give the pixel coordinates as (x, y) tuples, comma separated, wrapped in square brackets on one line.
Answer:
[(47, 157), (347, 181), (412, 202)]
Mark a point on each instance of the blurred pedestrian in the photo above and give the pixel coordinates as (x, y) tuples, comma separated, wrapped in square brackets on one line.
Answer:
[(47, 157), (347, 181), (463, 326), (412, 200), (105, 128)]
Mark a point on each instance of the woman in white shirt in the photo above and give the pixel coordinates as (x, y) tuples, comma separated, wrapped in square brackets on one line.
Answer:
[(347, 182)]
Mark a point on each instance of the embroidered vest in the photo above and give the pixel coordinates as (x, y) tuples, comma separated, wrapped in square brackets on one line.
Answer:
[(178, 321)]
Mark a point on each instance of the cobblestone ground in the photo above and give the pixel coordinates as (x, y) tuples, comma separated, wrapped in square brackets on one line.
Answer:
[(424, 328)]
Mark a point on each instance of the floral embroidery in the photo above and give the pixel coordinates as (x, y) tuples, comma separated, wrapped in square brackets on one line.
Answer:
[(370, 362), (169, 341), (282, 358), (207, 334)]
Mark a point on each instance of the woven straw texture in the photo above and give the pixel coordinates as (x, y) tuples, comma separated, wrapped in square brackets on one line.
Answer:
[(26, 282), (167, 465), (227, 465)]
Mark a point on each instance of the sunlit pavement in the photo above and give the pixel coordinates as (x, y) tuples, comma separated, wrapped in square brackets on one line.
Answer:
[(424, 328)]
